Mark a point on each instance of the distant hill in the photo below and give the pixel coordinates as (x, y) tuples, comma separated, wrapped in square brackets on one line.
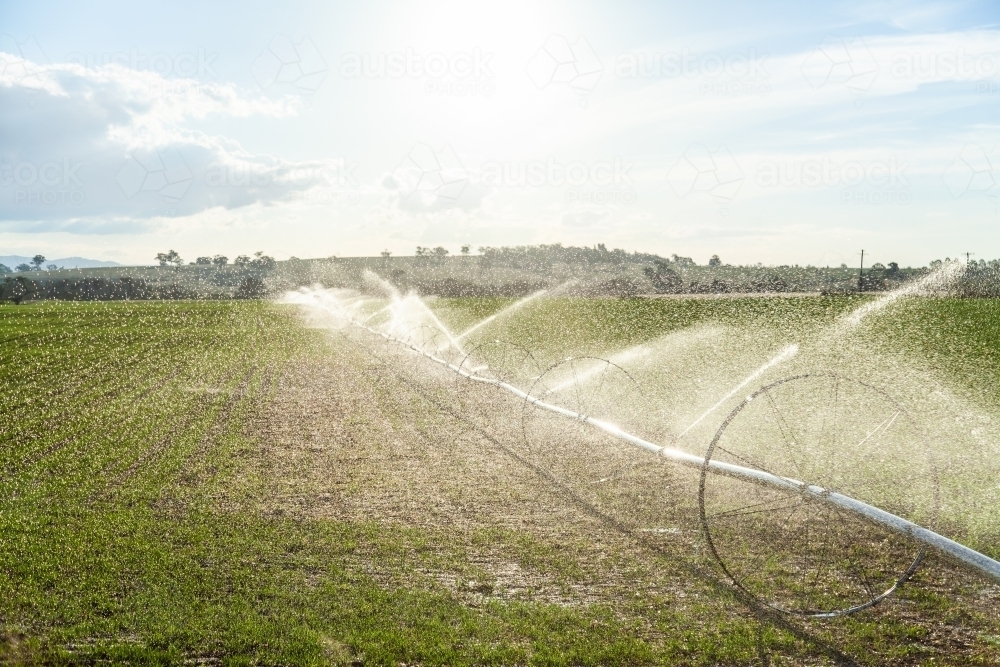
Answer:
[(64, 263)]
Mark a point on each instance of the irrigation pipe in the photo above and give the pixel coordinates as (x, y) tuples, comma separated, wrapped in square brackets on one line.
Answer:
[(970, 557)]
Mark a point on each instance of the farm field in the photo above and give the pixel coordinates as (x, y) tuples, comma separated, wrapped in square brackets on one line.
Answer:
[(242, 482)]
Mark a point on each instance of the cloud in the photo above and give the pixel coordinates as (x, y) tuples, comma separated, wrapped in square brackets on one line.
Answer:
[(90, 150), (92, 226), (842, 79)]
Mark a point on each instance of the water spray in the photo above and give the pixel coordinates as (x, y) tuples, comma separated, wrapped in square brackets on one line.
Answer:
[(512, 307), (625, 355), (706, 464), (935, 280), (440, 325), (784, 355), (378, 312)]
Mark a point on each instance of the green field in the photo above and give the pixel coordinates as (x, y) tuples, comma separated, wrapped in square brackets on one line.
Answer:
[(227, 482)]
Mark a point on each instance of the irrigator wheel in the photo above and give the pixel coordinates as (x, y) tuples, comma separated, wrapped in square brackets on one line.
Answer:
[(476, 392), (572, 450), (424, 339), (797, 553), (502, 361)]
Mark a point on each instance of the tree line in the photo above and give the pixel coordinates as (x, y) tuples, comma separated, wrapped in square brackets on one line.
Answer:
[(258, 261)]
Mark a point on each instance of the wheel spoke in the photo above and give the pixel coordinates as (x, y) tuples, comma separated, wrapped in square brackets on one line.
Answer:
[(740, 512), (749, 462), (826, 547), (857, 569), (597, 391), (782, 426)]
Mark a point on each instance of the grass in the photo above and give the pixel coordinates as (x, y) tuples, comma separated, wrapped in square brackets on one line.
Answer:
[(581, 324), (124, 423)]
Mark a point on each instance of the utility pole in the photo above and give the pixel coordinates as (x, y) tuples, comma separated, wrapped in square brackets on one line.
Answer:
[(861, 272), (968, 257)]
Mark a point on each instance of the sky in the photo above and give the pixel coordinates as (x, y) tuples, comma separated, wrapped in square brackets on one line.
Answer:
[(779, 133)]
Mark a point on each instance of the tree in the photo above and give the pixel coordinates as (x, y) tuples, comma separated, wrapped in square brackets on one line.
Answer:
[(37, 262), (22, 267), (18, 289), (682, 261), (465, 249), (262, 261), (220, 260), (438, 253), (620, 286), (171, 257), (397, 277), (665, 280), (51, 267), (250, 287), (715, 261), (203, 261), (385, 254), (241, 260), (4, 269)]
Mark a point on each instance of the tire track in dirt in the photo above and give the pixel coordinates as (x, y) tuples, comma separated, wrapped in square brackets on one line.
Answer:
[(188, 477)]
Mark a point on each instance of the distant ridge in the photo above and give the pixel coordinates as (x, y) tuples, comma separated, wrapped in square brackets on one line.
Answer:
[(11, 261)]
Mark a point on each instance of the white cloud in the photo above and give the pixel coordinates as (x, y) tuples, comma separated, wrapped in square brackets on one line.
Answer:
[(109, 149)]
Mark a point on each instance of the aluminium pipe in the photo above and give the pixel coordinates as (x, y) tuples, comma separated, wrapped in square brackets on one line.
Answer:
[(971, 557)]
